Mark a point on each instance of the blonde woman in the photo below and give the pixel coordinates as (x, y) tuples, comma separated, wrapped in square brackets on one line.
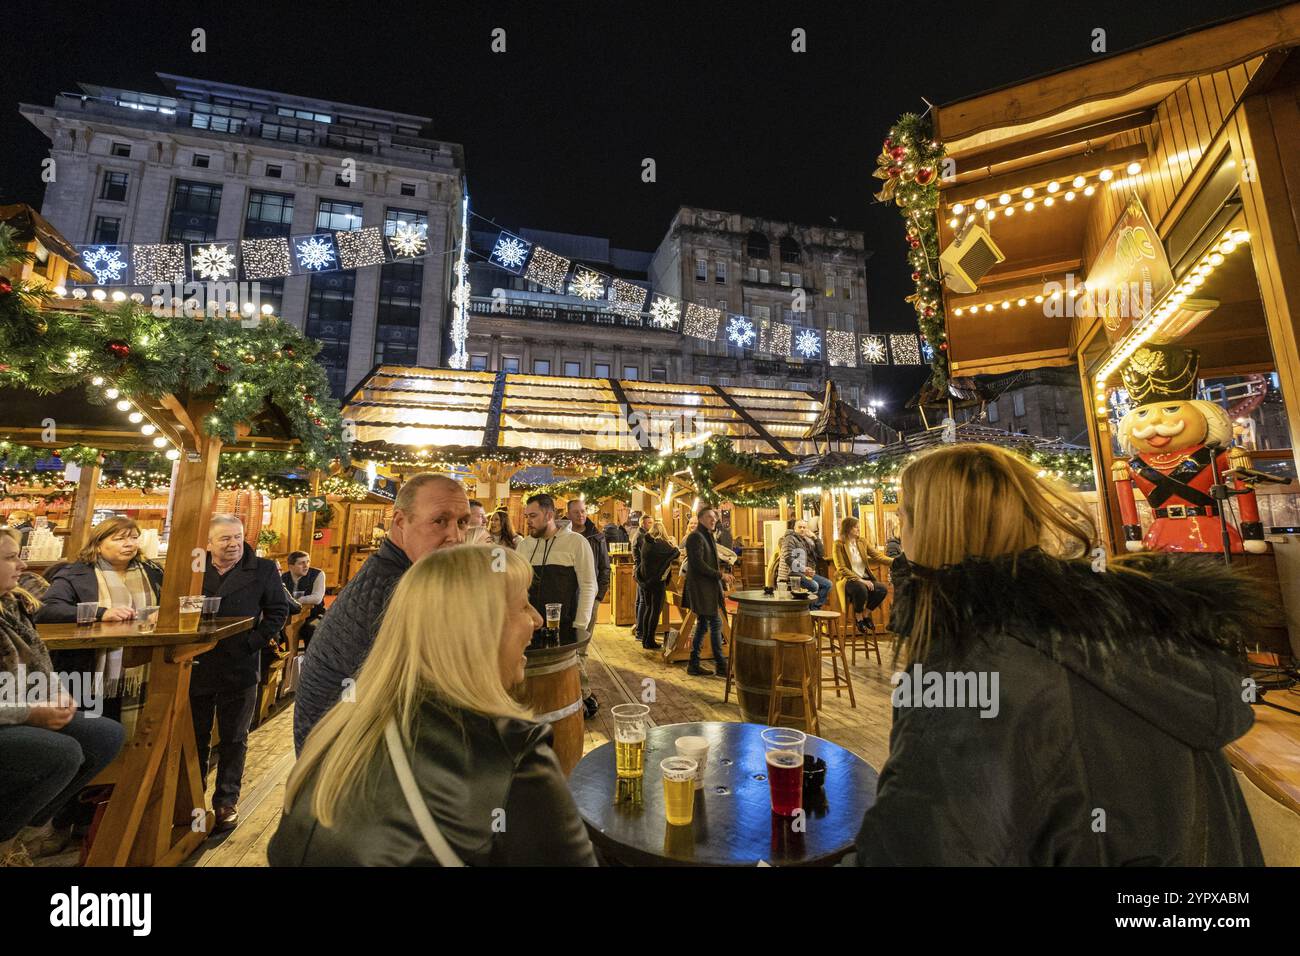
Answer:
[(853, 557), (450, 647), (1036, 694)]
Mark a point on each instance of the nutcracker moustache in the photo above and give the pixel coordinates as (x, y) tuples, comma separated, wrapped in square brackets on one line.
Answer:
[(1172, 440)]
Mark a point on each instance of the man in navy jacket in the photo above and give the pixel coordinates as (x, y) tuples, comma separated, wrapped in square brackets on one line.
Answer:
[(224, 680)]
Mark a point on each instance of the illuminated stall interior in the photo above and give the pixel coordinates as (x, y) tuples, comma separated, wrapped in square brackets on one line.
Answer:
[(1174, 165)]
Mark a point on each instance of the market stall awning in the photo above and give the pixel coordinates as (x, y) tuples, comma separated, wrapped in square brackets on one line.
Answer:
[(413, 409)]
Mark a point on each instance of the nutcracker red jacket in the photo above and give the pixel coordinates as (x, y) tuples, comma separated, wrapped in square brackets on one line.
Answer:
[(1116, 692)]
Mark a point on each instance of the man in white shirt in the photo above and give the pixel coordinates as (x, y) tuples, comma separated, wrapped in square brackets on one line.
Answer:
[(564, 573)]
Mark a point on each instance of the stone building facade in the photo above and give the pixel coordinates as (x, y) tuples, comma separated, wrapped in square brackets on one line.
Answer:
[(206, 161)]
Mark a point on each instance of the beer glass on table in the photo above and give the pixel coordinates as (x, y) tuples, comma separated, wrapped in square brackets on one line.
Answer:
[(210, 607), (87, 613), (679, 789), (191, 611), (629, 738), (146, 619), (553, 624), (784, 747)]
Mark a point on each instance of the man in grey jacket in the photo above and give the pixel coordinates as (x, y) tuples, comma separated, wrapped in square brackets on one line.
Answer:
[(430, 512)]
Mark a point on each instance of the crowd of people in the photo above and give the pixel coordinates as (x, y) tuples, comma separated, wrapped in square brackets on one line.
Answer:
[(409, 741)]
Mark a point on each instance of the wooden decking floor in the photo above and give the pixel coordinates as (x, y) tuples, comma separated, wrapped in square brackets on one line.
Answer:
[(619, 669)]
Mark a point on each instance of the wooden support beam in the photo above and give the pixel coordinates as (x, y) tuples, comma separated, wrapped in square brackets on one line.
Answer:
[(196, 483), (83, 509), (969, 167), (1062, 170)]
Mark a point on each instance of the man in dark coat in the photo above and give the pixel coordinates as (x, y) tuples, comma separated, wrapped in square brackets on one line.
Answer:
[(579, 522), (224, 680), (1065, 717), (430, 512), (703, 591)]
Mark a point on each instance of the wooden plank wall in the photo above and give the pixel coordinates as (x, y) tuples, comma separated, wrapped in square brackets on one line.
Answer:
[(1186, 123)]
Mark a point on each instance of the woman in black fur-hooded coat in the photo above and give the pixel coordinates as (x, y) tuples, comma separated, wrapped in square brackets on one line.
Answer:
[(1049, 712)]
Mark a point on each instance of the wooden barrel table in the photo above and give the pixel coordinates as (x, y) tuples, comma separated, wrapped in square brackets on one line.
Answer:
[(553, 689), (758, 619)]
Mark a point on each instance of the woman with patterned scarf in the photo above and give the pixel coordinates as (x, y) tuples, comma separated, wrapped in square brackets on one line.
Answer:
[(111, 573), (48, 750)]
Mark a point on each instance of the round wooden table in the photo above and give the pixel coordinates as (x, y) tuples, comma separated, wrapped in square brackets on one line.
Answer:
[(734, 824)]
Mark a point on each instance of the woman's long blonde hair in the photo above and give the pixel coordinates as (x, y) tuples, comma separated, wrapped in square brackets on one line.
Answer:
[(981, 501), (440, 638)]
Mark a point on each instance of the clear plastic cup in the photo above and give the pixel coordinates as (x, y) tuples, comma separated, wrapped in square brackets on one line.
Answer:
[(679, 789), (629, 738), (210, 607), (87, 613), (146, 619), (191, 611), (783, 748)]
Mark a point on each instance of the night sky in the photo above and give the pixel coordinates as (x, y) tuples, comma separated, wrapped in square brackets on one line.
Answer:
[(555, 129)]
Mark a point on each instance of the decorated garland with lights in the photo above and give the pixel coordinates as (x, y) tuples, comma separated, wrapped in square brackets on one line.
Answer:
[(909, 163), (140, 353), (346, 488)]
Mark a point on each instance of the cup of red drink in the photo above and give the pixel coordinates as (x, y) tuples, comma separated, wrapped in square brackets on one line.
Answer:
[(783, 748)]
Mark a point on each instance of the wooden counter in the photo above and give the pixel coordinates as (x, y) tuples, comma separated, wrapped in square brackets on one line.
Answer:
[(156, 815), (1268, 760)]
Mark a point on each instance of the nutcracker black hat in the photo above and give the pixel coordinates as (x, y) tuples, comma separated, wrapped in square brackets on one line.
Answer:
[(1160, 373)]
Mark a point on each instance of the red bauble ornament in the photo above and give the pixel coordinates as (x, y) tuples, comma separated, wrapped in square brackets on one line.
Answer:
[(56, 454), (924, 175), (309, 398), (943, 346), (889, 141), (119, 349), (916, 277), (914, 242), (5, 286), (222, 367), (928, 313), (895, 171), (318, 422), (898, 152)]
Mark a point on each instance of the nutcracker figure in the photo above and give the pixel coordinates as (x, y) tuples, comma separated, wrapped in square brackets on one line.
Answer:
[(1176, 445)]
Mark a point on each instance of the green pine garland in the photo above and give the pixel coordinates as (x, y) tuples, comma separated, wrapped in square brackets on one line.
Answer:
[(909, 163), (141, 353)]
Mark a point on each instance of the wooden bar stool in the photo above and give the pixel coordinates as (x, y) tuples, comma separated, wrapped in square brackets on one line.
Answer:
[(826, 628), (868, 641), (794, 652)]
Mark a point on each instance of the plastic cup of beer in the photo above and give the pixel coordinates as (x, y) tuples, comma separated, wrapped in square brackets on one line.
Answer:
[(697, 749), (191, 611), (679, 789), (629, 738), (784, 750), (87, 612), (210, 607)]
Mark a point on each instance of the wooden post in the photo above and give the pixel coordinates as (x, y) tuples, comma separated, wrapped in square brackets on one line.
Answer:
[(196, 482), (83, 509)]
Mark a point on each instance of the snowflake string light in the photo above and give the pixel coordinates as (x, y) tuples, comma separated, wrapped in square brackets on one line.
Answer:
[(905, 350), (808, 343), (839, 348), (266, 258), (212, 261), (587, 285), (315, 253), (701, 322), (158, 262), (460, 295), (781, 337), (105, 261), (740, 331), (510, 252), (629, 298), (408, 240), (873, 350), (547, 269), (665, 313), (360, 247)]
